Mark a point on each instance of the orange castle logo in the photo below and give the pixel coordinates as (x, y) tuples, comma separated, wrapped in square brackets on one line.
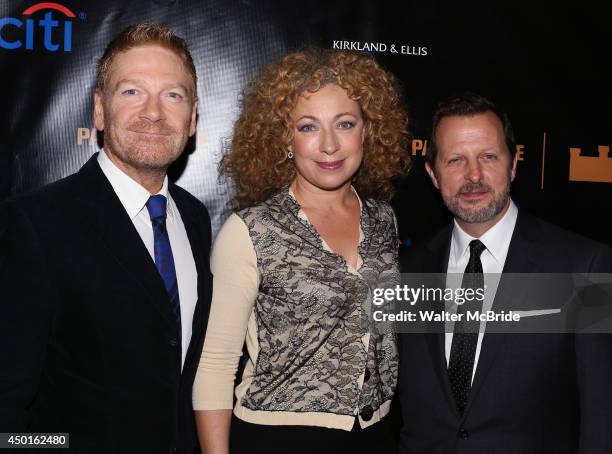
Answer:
[(591, 168)]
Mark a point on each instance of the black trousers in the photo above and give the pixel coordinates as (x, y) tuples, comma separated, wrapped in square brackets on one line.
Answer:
[(247, 438)]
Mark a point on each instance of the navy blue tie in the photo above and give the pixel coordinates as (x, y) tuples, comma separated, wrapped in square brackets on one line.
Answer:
[(164, 261)]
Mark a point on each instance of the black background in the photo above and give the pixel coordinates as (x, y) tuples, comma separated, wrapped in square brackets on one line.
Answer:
[(544, 63)]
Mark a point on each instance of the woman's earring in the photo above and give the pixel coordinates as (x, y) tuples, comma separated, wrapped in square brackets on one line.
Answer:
[(290, 155)]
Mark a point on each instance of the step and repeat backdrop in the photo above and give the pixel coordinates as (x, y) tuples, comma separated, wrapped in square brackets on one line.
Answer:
[(546, 64)]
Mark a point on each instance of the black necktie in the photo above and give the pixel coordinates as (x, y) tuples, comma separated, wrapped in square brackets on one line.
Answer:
[(465, 337)]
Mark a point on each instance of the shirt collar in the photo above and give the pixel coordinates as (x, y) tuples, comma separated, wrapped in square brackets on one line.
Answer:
[(496, 239), (131, 194)]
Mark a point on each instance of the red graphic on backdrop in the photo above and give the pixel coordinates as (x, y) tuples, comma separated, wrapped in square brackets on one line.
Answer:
[(48, 5)]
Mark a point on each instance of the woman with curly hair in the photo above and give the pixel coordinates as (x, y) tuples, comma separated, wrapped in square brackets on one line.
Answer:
[(321, 137)]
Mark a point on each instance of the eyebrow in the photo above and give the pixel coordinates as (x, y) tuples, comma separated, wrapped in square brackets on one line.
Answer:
[(335, 116), (139, 82)]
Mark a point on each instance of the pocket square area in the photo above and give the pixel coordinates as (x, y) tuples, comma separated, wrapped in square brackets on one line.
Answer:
[(536, 312)]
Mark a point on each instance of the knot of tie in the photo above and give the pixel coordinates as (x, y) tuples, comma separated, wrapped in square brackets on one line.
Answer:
[(476, 248), (474, 264), (156, 205)]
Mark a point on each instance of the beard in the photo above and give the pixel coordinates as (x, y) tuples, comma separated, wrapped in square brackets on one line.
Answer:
[(474, 214), (145, 145)]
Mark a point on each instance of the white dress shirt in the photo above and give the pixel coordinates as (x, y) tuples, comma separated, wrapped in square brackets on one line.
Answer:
[(496, 241), (134, 197)]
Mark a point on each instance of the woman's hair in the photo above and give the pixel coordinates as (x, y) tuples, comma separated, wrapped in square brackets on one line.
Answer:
[(257, 160)]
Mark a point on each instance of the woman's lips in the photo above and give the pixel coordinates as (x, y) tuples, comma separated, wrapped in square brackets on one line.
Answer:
[(332, 165)]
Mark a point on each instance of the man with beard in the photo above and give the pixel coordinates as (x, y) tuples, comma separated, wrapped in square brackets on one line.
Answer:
[(105, 276), (480, 392)]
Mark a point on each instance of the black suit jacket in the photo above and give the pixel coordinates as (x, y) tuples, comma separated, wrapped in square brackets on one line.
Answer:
[(532, 393), (89, 346)]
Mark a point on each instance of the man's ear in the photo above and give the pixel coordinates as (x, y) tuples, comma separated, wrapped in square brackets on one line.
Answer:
[(432, 175), (513, 171), (98, 112), (194, 115)]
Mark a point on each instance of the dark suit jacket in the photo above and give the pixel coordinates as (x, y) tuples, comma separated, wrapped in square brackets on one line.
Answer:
[(532, 393), (89, 346)]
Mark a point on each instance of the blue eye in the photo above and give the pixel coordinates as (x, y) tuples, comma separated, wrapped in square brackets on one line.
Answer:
[(175, 95), (346, 125), (306, 128), (130, 91)]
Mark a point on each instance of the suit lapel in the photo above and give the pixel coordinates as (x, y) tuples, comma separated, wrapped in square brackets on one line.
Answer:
[(199, 241), (439, 250), (110, 222), (521, 258)]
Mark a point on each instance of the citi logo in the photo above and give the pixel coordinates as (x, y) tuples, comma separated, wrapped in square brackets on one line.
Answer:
[(55, 32)]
